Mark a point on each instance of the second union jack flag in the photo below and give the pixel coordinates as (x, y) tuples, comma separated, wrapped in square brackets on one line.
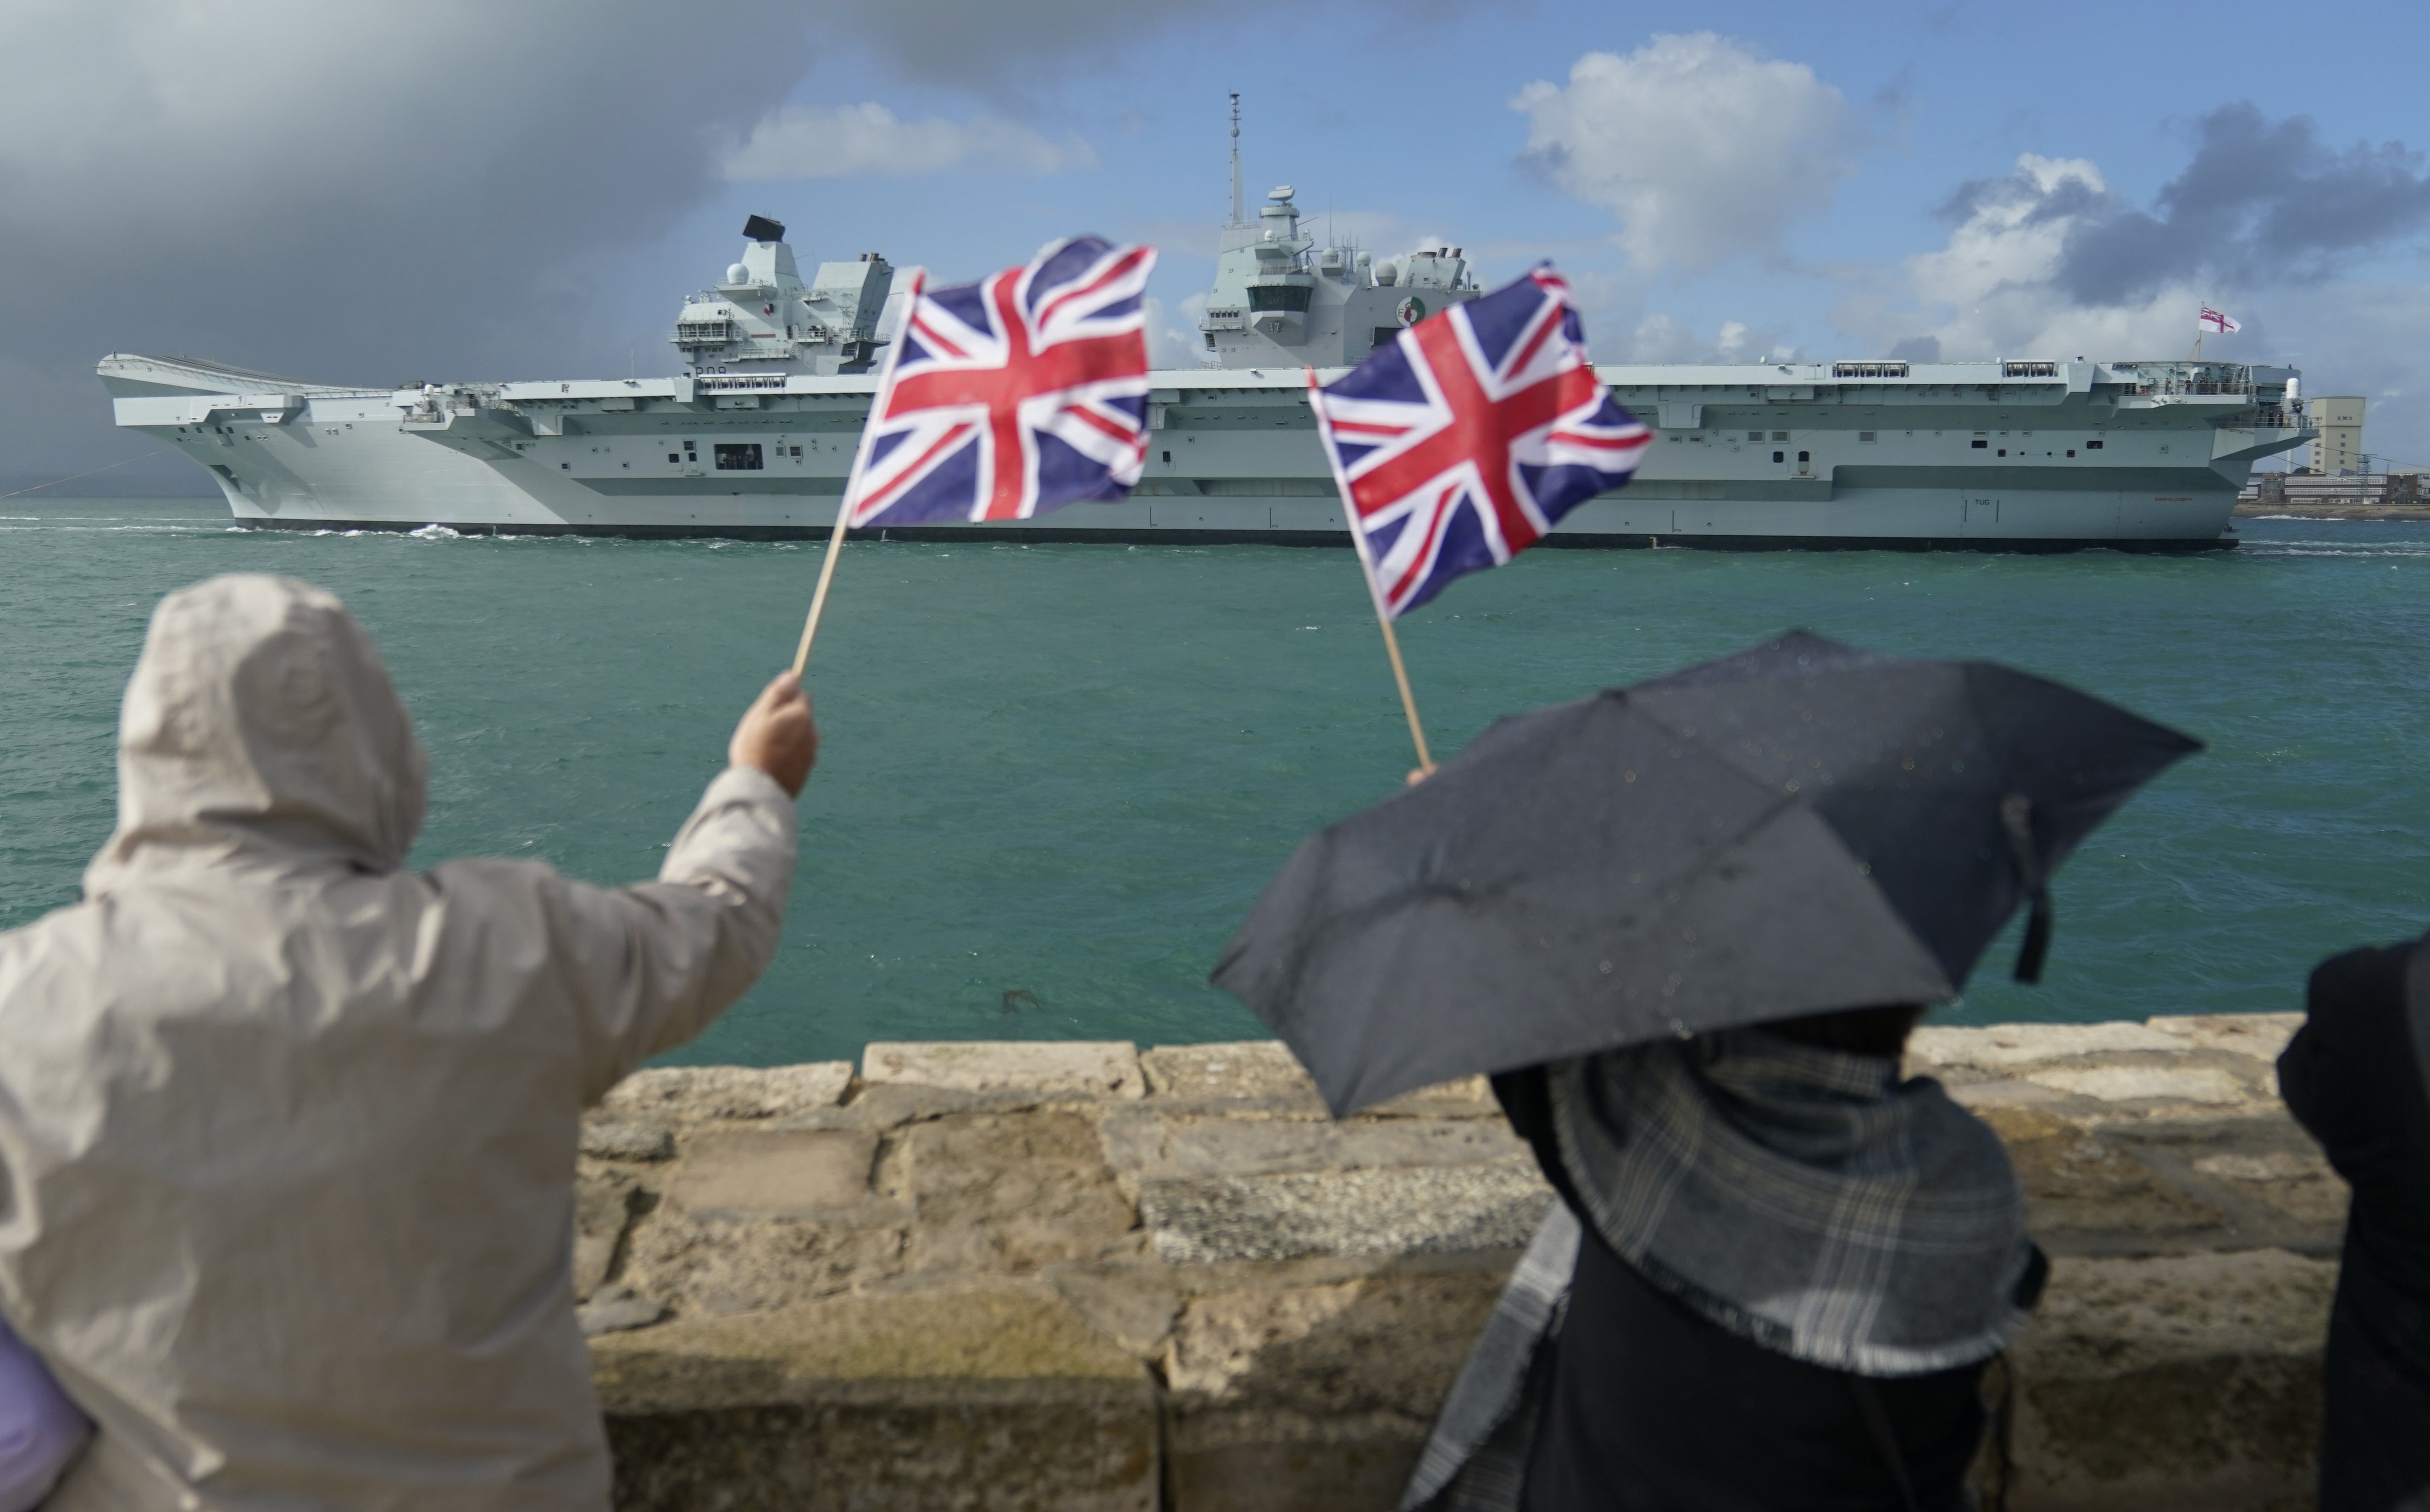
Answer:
[(1461, 443), (1014, 396)]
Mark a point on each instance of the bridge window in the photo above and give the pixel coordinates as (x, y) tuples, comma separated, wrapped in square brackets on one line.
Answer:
[(1279, 296), (2093, 446), (1980, 444), (1780, 434), (1780, 457), (1755, 435), (738, 457)]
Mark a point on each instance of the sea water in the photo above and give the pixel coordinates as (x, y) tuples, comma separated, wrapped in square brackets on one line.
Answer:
[(1053, 777)]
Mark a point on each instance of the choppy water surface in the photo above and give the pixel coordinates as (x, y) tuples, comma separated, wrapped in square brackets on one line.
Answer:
[(1055, 777)]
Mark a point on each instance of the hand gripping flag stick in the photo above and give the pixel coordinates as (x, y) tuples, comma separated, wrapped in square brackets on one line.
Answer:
[(1367, 566), (852, 483)]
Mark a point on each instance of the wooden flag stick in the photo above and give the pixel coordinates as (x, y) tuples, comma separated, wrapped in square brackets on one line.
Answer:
[(1375, 593), (877, 402), (826, 575)]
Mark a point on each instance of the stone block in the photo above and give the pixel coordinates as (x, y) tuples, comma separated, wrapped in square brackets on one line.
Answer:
[(2147, 1079), (2264, 1173), (720, 1265), (1264, 1075), (1405, 1210), (603, 1206), (1011, 1191), (2085, 1194), (2262, 1035), (960, 1399), (692, 1094), (1132, 1305), (1308, 1398), (1469, 1097), (613, 1309), (632, 1141), (754, 1172), (2298, 1183), (1148, 1144), (1247, 1071), (1351, 1467), (1056, 1067), (2002, 1046), (2171, 1384)]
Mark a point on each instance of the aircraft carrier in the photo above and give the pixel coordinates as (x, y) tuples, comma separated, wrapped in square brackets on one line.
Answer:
[(753, 438)]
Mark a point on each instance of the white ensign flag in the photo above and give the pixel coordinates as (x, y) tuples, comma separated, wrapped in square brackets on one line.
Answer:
[(2213, 321)]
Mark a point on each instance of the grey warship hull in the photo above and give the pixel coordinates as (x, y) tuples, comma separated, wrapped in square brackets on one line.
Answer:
[(1952, 456)]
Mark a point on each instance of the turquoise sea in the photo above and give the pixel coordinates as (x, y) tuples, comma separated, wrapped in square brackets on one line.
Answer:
[(1055, 776)]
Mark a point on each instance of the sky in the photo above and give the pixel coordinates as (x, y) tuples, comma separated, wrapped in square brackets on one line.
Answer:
[(378, 194)]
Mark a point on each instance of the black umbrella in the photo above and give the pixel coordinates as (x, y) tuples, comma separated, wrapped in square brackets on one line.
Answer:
[(1798, 828)]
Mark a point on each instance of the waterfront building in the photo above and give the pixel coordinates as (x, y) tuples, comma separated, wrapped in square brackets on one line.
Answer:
[(2338, 419)]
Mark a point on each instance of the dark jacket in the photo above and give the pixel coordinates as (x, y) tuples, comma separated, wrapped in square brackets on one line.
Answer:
[(1651, 1409), (2357, 1076)]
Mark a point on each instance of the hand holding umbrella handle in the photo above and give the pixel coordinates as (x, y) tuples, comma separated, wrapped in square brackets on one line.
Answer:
[(2016, 817)]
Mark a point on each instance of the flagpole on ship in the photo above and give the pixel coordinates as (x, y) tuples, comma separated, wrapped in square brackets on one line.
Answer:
[(877, 403), (1375, 593)]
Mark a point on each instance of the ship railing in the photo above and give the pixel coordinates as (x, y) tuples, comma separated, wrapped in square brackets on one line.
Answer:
[(2178, 379)]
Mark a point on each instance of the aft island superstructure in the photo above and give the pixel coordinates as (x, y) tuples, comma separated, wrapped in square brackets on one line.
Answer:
[(754, 438)]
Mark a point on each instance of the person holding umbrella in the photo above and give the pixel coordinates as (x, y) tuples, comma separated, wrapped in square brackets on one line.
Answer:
[(1687, 925)]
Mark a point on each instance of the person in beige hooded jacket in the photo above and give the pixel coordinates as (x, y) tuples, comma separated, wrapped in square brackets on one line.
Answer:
[(288, 1133)]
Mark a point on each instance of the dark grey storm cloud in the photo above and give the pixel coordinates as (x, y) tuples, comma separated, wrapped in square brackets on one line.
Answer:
[(372, 194), (355, 193), (1002, 49), (2260, 202)]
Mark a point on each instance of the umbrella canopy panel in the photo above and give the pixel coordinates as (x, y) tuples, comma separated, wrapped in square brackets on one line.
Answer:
[(1801, 827)]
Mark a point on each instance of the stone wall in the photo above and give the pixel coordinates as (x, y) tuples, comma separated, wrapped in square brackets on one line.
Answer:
[(1086, 1277)]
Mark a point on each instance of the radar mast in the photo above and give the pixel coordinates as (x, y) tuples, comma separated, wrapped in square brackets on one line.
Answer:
[(1239, 216)]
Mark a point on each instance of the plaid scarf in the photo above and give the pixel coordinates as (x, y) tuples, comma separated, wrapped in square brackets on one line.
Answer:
[(1804, 1199)]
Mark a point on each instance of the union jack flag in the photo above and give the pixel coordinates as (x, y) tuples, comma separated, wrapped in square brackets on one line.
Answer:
[(1009, 397), (1460, 445)]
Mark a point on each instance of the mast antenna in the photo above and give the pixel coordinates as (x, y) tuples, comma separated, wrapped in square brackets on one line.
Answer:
[(1238, 216)]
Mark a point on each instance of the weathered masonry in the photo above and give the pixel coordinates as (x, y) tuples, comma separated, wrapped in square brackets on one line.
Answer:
[(1083, 1277)]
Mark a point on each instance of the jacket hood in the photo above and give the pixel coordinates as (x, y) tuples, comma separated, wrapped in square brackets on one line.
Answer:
[(260, 720)]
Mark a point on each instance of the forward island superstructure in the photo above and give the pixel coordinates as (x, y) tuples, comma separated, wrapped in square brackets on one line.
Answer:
[(753, 438)]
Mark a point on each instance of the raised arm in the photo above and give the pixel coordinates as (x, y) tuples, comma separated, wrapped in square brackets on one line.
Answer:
[(659, 961)]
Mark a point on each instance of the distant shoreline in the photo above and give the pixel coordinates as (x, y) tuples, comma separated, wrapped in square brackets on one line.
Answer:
[(2403, 512)]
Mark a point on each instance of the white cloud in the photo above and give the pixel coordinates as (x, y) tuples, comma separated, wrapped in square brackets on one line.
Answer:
[(1999, 286), (2011, 282), (1621, 329), (1172, 336), (844, 140), (1703, 150)]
